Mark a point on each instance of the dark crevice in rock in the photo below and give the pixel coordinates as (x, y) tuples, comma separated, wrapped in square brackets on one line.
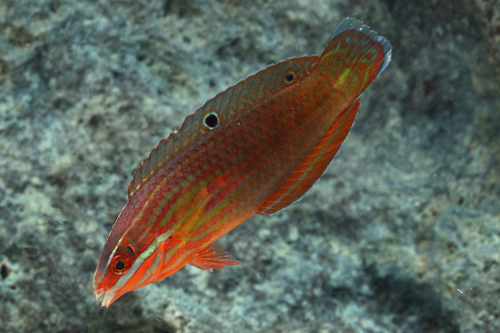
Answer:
[(4, 271), (405, 298)]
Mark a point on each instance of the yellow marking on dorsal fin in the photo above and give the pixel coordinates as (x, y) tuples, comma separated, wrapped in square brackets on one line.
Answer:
[(341, 80)]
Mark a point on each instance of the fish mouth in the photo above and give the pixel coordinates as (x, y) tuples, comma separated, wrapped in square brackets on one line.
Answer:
[(109, 297)]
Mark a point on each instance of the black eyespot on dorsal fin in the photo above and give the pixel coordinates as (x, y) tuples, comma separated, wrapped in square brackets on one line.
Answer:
[(211, 120)]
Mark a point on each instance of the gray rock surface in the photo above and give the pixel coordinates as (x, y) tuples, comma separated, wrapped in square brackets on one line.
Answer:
[(400, 235)]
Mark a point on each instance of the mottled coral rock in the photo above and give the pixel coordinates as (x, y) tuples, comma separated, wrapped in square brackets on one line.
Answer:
[(400, 235)]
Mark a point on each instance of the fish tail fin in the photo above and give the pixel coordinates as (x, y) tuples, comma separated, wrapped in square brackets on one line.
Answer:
[(355, 56)]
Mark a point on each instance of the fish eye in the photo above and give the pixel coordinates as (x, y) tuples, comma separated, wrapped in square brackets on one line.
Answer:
[(211, 120), (290, 76), (120, 264)]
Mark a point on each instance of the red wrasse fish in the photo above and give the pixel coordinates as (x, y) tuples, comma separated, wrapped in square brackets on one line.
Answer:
[(252, 149)]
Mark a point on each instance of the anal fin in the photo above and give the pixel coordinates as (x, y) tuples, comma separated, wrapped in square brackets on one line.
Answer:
[(314, 165), (213, 257)]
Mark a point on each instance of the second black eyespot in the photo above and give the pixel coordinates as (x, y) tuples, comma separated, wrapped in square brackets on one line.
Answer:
[(290, 76)]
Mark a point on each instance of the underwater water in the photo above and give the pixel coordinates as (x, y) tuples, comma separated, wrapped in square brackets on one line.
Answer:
[(401, 234)]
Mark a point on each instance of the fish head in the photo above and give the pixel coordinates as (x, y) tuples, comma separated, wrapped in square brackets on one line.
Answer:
[(132, 256)]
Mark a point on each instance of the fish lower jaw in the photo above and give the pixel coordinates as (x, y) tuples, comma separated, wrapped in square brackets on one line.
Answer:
[(108, 298)]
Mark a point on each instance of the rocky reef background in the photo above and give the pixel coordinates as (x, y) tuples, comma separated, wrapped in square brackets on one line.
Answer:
[(402, 234)]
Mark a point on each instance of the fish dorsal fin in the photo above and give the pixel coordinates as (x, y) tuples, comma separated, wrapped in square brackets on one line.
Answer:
[(213, 257), (350, 41), (224, 105), (313, 165)]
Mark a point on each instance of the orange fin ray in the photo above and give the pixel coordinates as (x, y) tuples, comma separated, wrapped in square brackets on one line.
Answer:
[(213, 257), (314, 165), (225, 104)]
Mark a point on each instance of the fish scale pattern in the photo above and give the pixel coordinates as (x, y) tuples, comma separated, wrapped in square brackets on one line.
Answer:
[(226, 104), (231, 154)]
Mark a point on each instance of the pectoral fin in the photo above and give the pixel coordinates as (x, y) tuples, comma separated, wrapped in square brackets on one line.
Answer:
[(213, 257)]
